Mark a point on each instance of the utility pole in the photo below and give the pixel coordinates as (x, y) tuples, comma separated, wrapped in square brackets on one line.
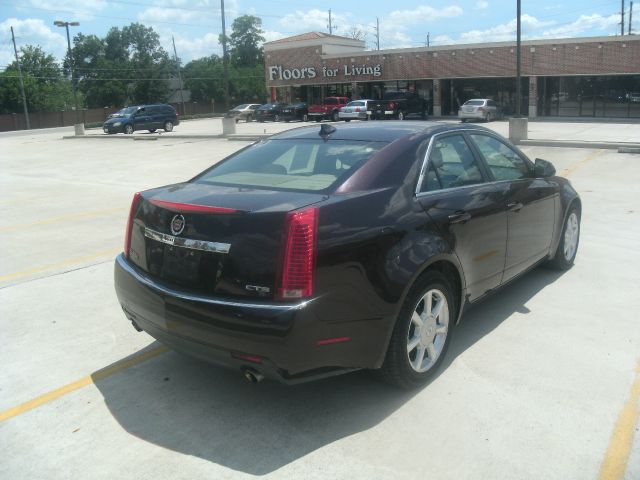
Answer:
[(630, 15), (330, 25), (59, 23), (225, 60), (518, 72), (377, 33), (428, 39), (622, 18), (175, 54), (24, 98)]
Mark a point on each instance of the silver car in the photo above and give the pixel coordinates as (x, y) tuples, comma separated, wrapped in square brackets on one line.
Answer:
[(356, 110), (245, 112), (479, 109)]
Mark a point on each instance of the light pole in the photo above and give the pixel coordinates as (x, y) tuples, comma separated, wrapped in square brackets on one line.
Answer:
[(60, 23)]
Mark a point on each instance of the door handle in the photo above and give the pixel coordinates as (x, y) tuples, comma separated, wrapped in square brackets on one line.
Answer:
[(459, 217), (514, 206)]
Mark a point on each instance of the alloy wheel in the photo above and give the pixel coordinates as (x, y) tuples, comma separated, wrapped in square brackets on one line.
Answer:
[(428, 330), (571, 235)]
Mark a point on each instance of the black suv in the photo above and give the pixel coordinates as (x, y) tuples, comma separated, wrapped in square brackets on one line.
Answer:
[(142, 117)]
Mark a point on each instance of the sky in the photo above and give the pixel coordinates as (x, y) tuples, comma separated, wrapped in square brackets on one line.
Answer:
[(196, 24)]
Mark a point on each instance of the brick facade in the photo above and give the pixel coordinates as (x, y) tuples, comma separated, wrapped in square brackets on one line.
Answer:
[(588, 56)]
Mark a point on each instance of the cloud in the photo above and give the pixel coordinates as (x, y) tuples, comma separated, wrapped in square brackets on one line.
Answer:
[(72, 9), (482, 5), (190, 48), (32, 31), (531, 27), (421, 14), (585, 23), (315, 20)]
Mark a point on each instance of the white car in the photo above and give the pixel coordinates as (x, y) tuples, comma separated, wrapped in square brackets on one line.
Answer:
[(479, 109), (356, 110)]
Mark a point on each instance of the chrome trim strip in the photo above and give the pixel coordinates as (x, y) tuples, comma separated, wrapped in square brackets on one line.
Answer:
[(144, 279), (214, 247)]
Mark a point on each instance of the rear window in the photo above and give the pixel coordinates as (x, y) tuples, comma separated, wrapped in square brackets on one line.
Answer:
[(301, 165), (474, 102), (356, 104)]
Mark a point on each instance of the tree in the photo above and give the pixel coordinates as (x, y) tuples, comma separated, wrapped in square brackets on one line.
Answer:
[(245, 41), (46, 87), (204, 78), (127, 66)]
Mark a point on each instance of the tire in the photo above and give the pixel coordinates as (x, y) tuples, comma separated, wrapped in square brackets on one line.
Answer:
[(335, 117), (464, 120), (249, 118), (128, 129), (401, 115), (318, 119), (276, 118), (568, 246), (413, 357), (488, 117), (168, 126), (347, 120), (152, 130), (305, 118)]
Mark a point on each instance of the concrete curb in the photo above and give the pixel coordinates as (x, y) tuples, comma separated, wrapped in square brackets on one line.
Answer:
[(578, 144), (233, 137), (622, 147), (141, 137)]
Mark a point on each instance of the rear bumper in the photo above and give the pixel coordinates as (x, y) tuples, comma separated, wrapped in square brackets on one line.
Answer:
[(353, 115), (471, 115), (283, 337)]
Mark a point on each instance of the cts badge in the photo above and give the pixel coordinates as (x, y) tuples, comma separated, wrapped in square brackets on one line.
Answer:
[(177, 224)]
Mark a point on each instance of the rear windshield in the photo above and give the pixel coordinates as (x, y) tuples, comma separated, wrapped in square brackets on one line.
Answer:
[(474, 102), (300, 164), (355, 104)]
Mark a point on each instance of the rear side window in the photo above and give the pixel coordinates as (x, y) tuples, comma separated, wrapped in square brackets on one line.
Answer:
[(303, 165), (451, 164), (503, 161)]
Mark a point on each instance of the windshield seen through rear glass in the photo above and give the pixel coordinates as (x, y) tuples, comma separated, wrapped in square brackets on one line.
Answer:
[(302, 165)]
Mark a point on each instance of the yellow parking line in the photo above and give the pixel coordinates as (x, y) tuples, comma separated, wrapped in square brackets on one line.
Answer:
[(95, 213), (569, 170), (83, 382), (66, 263), (615, 460)]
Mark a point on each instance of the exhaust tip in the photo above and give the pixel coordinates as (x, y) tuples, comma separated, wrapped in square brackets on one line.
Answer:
[(252, 376)]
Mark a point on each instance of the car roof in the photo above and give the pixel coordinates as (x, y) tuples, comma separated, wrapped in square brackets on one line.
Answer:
[(385, 131)]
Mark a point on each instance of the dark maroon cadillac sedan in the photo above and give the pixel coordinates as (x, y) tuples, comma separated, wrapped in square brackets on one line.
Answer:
[(322, 250)]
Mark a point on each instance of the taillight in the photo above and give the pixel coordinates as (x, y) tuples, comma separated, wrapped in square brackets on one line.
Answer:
[(358, 109), (481, 109), (299, 255), (127, 237), (392, 105)]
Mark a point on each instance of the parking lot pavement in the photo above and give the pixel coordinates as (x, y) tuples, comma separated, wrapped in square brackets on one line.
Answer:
[(539, 130), (541, 381)]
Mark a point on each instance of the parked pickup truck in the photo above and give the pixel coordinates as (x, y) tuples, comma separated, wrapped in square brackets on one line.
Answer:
[(329, 109), (399, 105)]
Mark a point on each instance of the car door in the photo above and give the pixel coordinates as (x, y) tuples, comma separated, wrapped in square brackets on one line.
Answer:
[(468, 210), (530, 202), (141, 119)]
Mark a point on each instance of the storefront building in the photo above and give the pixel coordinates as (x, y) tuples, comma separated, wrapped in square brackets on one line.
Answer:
[(577, 77)]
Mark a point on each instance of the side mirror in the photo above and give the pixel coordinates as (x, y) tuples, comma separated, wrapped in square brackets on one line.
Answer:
[(544, 168)]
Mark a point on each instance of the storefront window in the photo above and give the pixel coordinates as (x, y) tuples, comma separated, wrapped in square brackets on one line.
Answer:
[(590, 96)]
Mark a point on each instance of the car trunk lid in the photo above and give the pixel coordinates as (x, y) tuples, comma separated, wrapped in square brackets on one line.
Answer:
[(215, 240)]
